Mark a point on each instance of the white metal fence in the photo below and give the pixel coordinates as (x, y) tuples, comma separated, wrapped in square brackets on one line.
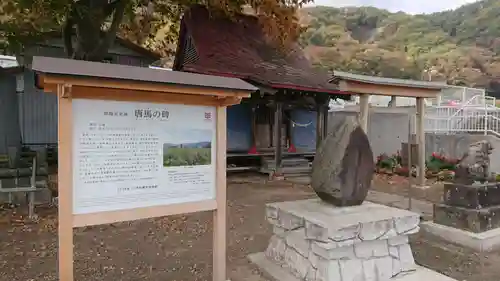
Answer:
[(463, 110)]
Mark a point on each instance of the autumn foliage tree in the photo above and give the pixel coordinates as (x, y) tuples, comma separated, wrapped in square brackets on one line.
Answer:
[(89, 27)]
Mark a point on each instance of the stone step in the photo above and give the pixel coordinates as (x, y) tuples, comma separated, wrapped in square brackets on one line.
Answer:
[(289, 171), (296, 170), (280, 272), (287, 162)]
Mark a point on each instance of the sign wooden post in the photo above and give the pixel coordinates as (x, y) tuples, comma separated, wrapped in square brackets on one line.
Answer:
[(137, 143)]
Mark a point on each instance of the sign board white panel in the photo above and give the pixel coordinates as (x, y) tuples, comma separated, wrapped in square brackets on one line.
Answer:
[(130, 155)]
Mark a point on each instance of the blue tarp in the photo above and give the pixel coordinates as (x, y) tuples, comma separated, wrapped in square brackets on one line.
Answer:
[(239, 127), (303, 130)]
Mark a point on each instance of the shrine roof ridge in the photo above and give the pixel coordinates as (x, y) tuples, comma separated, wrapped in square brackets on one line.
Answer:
[(70, 67)]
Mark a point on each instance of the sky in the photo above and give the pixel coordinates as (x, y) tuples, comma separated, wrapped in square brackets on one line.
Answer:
[(178, 136), (408, 6)]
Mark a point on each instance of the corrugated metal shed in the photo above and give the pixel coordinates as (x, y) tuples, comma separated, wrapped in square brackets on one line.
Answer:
[(38, 114), (9, 122), (37, 110)]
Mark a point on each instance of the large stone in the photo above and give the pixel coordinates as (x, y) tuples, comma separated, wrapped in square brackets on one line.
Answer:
[(343, 167)]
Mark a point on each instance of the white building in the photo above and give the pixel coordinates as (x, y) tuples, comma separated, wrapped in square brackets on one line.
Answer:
[(8, 61)]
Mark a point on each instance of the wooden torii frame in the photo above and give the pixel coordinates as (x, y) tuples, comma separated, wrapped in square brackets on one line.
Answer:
[(365, 86)]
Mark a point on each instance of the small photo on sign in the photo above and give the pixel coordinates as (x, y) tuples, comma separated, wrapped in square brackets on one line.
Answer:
[(192, 147)]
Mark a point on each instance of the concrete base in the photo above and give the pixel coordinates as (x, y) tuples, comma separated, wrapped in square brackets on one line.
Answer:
[(278, 273), (320, 242), (468, 219), (418, 186), (482, 242)]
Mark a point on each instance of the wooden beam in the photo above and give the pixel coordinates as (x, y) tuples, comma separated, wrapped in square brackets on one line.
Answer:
[(364, 111), (145, 96), (47, 80), (253, 120), (278, 121), (420, 132), (387, 90), (65, 183), (220, 214), (322, 101), (81, 220), (325, 121), (229, 101), (319, 126)]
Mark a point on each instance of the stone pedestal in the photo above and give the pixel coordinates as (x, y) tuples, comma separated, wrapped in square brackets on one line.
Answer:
[(472, 196), (469, 216), (315, 241)]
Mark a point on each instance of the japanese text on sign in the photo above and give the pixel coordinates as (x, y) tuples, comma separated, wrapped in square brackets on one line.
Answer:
[(156, 114)]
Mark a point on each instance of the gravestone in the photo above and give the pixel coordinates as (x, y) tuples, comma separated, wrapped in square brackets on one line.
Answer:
[(343, 167), (471, 203)]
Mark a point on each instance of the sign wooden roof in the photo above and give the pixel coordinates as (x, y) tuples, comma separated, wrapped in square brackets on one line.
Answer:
[(86, 69)]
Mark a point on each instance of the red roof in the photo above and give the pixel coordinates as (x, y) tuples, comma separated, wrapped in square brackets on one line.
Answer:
[(239, 49)]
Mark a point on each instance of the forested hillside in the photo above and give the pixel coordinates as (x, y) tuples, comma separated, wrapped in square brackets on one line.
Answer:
[(461, 46)]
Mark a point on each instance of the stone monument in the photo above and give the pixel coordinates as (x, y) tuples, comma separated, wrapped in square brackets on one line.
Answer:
[(338, 237), (475, 164), (343, 168), (470, 212)]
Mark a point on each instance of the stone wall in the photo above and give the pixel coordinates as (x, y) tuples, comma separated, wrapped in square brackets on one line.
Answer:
[(456, 145), (387, 127), (314, 247)]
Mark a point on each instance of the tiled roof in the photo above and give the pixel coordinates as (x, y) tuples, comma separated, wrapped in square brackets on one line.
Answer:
[(239, 49)]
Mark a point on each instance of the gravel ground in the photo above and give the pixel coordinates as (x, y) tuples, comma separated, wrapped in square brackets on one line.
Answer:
[(179, 247), (433, 192)]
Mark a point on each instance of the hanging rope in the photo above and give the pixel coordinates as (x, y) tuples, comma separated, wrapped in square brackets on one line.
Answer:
[(295, 124)]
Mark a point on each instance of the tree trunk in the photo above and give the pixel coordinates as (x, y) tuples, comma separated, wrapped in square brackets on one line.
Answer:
[(84, 21)]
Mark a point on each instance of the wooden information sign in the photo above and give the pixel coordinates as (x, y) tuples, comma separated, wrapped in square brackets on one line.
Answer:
[(138, 143)]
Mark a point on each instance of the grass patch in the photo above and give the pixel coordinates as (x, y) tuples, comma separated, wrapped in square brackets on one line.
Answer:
[(177, 156)]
